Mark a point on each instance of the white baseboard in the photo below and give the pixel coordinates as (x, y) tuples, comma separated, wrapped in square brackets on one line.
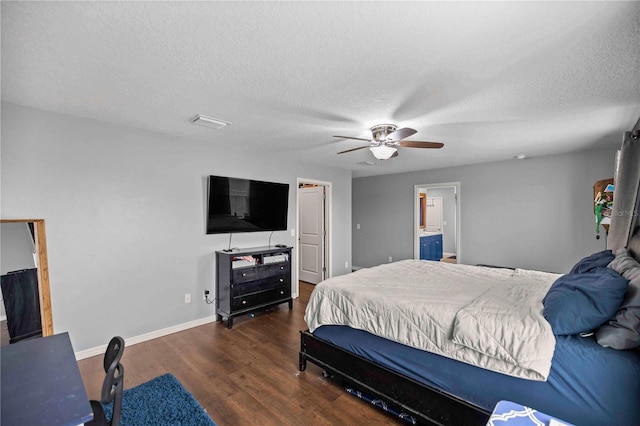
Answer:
[(130, 341)]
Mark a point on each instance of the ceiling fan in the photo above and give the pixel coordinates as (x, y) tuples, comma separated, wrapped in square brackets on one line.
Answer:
[(386, 140)]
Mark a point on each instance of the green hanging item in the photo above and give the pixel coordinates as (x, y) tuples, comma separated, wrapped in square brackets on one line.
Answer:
[(603, 204), (598, 217)]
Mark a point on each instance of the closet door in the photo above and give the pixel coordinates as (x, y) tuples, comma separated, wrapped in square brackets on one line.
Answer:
[(311, 234)]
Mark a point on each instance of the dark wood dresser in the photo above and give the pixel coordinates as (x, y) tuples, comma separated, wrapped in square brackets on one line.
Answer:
[(252, 279)]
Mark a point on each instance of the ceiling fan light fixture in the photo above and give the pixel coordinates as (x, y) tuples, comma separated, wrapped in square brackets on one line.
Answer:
[(383, 152)]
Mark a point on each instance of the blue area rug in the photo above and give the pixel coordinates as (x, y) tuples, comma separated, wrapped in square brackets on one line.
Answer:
[(161, 401)]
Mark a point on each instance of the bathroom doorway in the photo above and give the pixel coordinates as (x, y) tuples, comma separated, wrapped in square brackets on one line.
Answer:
[(437, 222)]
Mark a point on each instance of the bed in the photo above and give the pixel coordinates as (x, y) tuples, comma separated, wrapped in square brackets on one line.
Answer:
[(579, 360), (440, 367)]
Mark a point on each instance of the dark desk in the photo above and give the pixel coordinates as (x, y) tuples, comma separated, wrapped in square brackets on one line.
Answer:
[(41, 384)]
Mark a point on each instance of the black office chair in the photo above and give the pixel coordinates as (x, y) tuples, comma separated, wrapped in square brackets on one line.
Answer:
[(112, 386)]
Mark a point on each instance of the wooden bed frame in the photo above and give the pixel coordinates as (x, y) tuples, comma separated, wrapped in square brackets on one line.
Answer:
[(427, 405)]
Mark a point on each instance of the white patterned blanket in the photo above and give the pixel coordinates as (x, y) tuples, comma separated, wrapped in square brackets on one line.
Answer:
[(488, 317)]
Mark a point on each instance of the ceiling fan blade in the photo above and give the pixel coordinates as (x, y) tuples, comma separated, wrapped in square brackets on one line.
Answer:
[(349, 137), (420, 144), (354, 149), (400, 134), (395, 154)]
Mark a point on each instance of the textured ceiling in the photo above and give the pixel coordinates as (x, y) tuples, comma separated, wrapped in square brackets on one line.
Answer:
[(489, 79)]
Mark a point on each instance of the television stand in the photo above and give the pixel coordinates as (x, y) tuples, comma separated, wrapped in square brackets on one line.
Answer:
[(250, 280)]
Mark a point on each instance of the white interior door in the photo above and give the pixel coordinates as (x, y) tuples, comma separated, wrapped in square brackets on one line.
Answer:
[(311, 232), (434, 214)]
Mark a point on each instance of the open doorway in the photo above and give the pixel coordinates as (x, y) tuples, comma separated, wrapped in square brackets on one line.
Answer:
[(313, 217), (437, 222)]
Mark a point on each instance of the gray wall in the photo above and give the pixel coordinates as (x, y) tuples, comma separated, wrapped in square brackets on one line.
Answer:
[(535, 213), (124, 211)]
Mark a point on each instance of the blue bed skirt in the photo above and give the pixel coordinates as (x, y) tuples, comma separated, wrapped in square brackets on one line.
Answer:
[(588, 384)]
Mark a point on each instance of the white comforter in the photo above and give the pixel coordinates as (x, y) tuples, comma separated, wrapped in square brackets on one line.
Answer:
[(488, 317)]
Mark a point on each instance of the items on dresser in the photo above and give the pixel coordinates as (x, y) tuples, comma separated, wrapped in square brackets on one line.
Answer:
[(252, 279), (243, 262)]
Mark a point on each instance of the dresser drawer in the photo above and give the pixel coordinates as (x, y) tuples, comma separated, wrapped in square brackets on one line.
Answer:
[(244, 274), (240, 288), (274, 269), (255, 273), (255, 299)]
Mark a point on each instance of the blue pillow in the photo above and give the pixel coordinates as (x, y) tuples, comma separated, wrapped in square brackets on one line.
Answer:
[(579, 303), (601, 258)]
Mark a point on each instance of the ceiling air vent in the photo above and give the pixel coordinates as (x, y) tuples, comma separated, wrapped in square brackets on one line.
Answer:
[(214, 123)]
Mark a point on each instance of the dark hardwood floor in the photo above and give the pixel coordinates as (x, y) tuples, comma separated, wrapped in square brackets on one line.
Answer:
[(244, 376)]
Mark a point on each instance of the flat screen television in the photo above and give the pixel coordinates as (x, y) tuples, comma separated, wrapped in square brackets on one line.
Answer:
[(244, 205)]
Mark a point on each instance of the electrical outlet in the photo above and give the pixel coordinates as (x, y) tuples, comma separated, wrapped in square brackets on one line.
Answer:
[(346, 265), (204, 296), (357, 226), (187, 298), (390, 259)]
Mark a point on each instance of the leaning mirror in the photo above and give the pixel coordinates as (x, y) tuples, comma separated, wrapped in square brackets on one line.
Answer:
[(26, 302)]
